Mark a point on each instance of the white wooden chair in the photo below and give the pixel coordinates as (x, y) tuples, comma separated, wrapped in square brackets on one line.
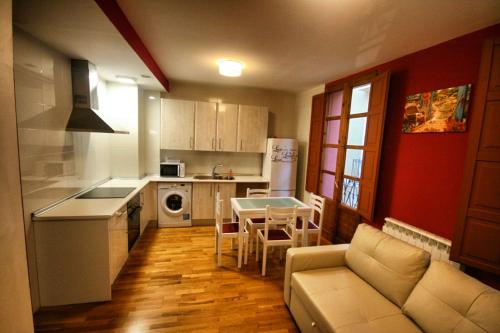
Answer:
[(317, 204), (275, 233), (226, 230), (253, 224)]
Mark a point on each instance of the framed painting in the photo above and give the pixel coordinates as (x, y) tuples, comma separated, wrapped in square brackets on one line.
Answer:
[(443, 110)]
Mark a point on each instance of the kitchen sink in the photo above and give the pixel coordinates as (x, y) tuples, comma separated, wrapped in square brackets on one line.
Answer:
[(206, 177), (202, 177)]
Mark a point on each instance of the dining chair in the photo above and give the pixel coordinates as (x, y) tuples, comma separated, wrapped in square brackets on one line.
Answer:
[(257, 223), (317, 204), (228, 230), (275, 233)]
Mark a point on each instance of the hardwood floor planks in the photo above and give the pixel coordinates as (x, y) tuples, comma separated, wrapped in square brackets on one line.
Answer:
[(171, 283)]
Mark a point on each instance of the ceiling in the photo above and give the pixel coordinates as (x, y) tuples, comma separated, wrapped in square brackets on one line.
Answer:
[(286, 45)]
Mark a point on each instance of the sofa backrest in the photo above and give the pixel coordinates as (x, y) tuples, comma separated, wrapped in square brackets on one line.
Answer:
[(390, 265), (448, 300)]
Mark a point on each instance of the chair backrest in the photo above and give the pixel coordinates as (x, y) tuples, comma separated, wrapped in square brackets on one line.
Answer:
[(257, 192), (218, 209), (280, 216), (317, 204)]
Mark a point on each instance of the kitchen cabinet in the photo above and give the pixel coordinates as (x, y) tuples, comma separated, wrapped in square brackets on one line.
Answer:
[(118, 242), (252, 129), (208, 126), (227, 191), (149, 205), (227, 127), (203, 203), (177, 124), (205, 126)]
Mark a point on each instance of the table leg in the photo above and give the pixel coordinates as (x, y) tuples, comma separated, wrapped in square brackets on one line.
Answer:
[(305, 230), (240, 238)]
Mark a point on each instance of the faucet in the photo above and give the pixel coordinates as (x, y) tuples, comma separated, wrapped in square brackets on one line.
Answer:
[(214, 174)]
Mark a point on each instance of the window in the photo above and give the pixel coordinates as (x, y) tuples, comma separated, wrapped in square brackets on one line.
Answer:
[(348, 149)]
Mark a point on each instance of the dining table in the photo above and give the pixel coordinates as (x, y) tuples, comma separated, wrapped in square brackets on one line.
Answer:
[(245, 208)]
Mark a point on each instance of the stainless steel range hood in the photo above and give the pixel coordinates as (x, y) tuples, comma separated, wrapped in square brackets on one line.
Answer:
[(83, 117)]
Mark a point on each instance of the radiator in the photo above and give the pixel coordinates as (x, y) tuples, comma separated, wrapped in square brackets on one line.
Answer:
[(437, 246)]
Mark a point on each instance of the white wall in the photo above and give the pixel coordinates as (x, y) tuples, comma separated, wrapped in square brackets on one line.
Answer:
[(303, 108), (151, 108), (123, 101), (54, 163), (15, 307)]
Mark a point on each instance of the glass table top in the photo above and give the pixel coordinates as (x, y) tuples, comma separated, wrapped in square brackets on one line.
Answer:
[(261, 203)]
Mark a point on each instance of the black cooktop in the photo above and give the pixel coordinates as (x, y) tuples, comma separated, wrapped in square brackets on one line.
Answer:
[(106, 192)]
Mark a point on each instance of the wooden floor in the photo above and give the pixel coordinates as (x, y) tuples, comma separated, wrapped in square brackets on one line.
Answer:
[(171, 283)]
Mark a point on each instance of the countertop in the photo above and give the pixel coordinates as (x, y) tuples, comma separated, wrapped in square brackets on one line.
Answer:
[(85, 209), (191, 179)]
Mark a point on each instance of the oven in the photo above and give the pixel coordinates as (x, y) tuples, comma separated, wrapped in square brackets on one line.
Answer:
[(134, 219)]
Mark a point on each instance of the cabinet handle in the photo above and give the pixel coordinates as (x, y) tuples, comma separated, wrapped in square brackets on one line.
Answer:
[(220, 143), (241, 145), (211, 190)]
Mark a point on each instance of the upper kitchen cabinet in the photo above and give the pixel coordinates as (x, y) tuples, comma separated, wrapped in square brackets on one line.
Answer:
[(177, 124), (252, 129), (205, 126), (227, 126)]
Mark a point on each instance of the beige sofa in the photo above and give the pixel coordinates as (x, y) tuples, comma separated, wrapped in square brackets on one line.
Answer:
[(381, 284)]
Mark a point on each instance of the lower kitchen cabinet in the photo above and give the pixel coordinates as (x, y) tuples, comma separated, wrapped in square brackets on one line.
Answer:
[(118, 242), (203, 201), (227, 191), (149, 204), (79, 259)]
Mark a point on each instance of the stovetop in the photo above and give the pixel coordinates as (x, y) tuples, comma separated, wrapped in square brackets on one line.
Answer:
[(106, 192)]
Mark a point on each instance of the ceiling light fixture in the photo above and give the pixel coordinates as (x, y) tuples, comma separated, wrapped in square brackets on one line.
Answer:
[(231, 68), (126, 79), (151, 97)]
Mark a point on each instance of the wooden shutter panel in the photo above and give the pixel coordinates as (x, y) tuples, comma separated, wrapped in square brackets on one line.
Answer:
[(476, 241), (373, 145), (315, 143)]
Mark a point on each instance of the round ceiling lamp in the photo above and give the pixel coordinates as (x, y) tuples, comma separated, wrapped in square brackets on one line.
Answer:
[(231, 68)]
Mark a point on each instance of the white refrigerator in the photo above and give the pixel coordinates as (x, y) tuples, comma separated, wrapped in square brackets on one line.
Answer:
[(280, 166)]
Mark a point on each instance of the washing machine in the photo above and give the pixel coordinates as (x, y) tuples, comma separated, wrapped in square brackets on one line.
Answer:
[(174, 205)]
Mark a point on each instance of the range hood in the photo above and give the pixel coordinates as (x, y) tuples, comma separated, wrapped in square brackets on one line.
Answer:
[(83, 117)]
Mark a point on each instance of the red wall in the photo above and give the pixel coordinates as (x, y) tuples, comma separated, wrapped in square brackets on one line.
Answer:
[(421, 174)]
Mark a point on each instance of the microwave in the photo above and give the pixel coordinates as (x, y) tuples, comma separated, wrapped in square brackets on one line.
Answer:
[(172, 169)]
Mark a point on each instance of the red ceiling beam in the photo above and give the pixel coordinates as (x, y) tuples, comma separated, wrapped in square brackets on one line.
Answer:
[(115, 14)]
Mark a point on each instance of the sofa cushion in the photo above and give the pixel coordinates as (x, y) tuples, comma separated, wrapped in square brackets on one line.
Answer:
[(448, 300), (340, 301), (391, 266)]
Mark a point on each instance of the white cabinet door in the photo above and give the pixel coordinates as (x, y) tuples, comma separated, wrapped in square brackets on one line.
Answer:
[(227, 191), (118, 242), (177, 124), (205, 126), (203, 201), (252, 129), (227, 126)]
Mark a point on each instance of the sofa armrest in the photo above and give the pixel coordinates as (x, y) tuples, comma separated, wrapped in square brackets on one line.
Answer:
[(308, 258)]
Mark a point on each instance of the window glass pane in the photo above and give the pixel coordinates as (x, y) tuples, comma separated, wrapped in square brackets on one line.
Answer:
[(350, 193), (335, 104), (326, 186), (356, 132), (332, 131), (330, 159), (353, 162), (360, 98)]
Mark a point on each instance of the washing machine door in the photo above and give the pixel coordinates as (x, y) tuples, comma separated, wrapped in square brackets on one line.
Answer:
[(174, 203)]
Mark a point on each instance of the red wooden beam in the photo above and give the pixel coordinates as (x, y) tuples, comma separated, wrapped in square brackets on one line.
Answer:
[(115, 14)]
